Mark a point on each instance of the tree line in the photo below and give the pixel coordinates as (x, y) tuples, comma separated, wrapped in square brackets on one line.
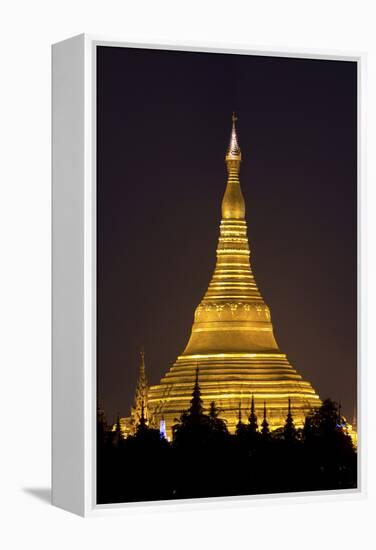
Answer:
[(205, 460)]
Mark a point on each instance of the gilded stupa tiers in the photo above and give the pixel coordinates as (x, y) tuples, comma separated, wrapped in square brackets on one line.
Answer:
[(232, 341)]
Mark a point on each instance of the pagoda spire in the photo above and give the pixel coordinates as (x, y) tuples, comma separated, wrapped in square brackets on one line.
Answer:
[(240, 413), (233, 205), (233, 152), (253, 426), (265, 425), (196, 408), (232, 297), (142, 363), (240, 428), (289, 428), (140, 407)]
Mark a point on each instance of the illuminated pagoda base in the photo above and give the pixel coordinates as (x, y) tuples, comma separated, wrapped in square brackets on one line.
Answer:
[(232, 341), (230, 380)]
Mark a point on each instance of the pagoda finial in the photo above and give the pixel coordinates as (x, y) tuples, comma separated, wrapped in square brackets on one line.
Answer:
[(233, 155), (233, 206)]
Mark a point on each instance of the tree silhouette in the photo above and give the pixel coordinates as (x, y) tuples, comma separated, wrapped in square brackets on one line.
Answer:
[(142, 425), (323, 422), (202, 449), (330, 453), (213, 411), (118, 436), (102, 428), (204, 460), (217, 424)]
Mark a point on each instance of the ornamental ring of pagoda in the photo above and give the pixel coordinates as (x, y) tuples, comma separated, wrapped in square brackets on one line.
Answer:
[(223, 311)]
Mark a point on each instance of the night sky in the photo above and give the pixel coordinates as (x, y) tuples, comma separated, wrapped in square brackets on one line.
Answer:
[(163, 126)]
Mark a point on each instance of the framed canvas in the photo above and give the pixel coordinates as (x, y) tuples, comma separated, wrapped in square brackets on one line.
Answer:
[(208, 295)]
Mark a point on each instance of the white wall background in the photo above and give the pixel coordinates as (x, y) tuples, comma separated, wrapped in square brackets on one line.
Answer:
[(26, 31)]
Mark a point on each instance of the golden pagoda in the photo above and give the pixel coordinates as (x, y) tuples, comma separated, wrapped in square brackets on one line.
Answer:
[(232, 341)]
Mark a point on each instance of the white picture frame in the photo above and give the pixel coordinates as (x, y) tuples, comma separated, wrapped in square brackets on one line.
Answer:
[(74, 279)]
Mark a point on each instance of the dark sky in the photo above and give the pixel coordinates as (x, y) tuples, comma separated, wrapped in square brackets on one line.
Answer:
[(163, 125)]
